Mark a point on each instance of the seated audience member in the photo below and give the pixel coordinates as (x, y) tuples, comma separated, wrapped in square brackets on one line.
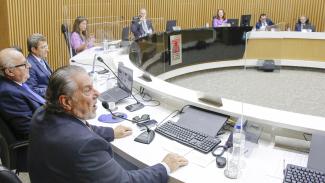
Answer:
[(65, 148), (17, 101), (80, 38), (303, 24), (40, 71), (141, 26), (219, 19), (263, 22)]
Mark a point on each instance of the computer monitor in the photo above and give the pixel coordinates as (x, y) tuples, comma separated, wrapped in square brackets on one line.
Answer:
[(170, 24), (233, 22), (245, 20), (125, 75)]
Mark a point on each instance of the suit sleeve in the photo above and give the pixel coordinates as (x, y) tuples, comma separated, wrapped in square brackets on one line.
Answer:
[(95, 164), (297, 27), (257, 26), (17, 114), (105, 132), (134, 30), (34, 84)]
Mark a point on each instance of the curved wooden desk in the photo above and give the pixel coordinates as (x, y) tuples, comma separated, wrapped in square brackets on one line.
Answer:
[(286, 45)]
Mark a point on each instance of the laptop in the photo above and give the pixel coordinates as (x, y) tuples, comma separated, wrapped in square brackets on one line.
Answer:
[(202, 120), (233, 22), (123, 88)]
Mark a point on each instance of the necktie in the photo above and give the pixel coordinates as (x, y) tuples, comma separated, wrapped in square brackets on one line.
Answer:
[(145, 27), (38, 97), (44, 65)]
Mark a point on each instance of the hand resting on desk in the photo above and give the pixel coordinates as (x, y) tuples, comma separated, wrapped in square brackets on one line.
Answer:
[(122, 131), (174, 161)]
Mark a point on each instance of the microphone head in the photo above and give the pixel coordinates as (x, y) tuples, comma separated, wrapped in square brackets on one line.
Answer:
[(100, 59), (105, 105)]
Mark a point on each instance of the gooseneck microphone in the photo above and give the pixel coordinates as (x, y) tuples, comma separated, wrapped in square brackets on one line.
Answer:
[(132, 107), (106, 106)]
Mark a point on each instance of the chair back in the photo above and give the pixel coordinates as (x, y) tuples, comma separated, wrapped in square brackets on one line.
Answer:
[(125, 34), (13, 153), (6, 138), (8, 176), (67, 35)]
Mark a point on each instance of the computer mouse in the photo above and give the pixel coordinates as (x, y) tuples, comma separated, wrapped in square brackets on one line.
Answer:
[(221, 161)]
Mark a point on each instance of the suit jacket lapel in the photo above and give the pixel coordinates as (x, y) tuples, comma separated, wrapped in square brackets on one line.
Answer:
[(40, 66)]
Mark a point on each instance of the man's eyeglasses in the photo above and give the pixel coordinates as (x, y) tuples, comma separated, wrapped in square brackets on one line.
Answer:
[(44, 47), (25, 64)]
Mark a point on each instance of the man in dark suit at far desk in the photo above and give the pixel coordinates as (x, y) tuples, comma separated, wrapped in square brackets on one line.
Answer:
[(64, 148), (263, 22), (17, 100), (141, 26), (40, 71)]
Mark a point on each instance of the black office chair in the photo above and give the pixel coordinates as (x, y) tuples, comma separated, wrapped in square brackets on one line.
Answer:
[(125, 41), (169, 25), (13, 153), (67, 35), (8, 176)]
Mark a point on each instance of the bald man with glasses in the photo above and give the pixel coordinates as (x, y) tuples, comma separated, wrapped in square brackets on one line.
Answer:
[(17, 101)]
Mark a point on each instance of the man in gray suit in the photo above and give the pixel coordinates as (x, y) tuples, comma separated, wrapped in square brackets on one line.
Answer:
[(65, 148)]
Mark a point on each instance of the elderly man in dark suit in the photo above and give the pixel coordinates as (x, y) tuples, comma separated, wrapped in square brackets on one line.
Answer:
[(17, 100), (40, 71), (141, 26), (64, 148)]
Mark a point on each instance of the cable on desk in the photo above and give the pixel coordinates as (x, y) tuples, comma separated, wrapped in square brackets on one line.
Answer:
[(143, 97), (176, 111)]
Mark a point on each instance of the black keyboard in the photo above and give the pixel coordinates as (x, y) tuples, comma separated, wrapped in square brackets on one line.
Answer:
[(188, 137), (294, 173)]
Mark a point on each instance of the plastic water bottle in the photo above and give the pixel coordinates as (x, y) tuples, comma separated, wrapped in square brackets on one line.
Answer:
[(234, 159), (105, 45)]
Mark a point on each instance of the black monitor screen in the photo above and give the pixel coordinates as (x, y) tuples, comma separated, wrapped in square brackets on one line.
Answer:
[(233, 22), (170, 24), (245, 20)]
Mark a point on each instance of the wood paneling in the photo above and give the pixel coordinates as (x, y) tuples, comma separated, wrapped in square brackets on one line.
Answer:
[(4, 33), (107, 17)]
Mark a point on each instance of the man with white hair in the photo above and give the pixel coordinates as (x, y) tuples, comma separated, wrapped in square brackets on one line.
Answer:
[(18, 102)]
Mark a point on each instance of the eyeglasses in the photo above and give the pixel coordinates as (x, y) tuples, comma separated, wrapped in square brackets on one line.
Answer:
[(144, 117), (44, 47), (25, 64)]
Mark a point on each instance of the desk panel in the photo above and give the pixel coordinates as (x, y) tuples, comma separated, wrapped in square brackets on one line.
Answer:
[(286, 45)]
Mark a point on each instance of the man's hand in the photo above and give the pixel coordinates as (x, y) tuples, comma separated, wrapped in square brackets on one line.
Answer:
[(122, 131), (174, 161)]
